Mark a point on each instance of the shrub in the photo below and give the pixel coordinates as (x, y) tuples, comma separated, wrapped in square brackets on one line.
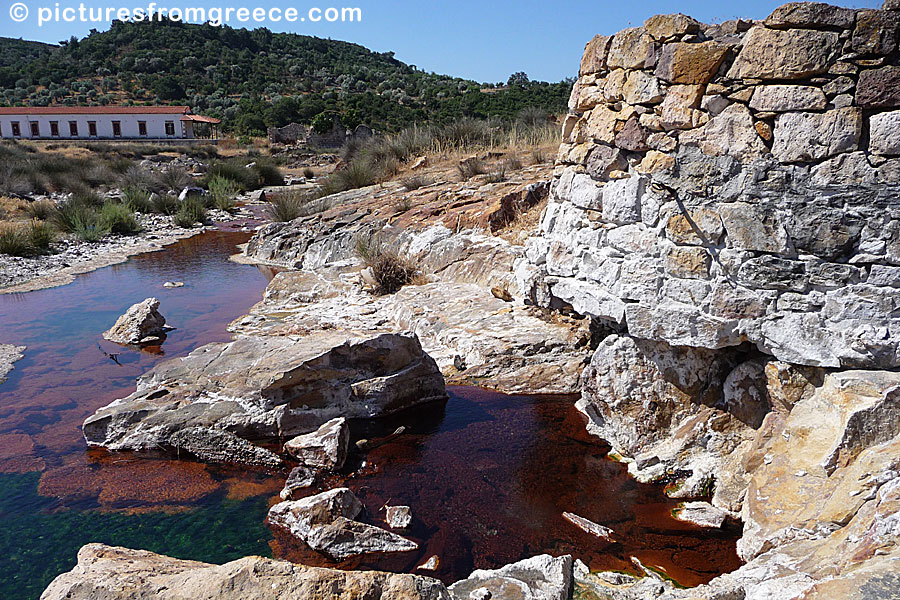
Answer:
[(246, 179), (471, 167), (415, 182), (88, 228), (191, 211), (118, 218), (137, 199), (137, 177), (309, 173), (389, 270), (173, 179), (403, 205), (71, 212), (40, 210), (14, 241), (165, 204), (222, 193), (513, 163), (358, 174), (268, 173), (285, 207), (498, 175), (40, 236)]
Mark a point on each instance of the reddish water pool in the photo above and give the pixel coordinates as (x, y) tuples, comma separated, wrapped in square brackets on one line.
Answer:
[(487, 475)]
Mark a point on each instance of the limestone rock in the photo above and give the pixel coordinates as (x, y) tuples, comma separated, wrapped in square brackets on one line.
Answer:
[(664, 27), (879, 88), (803, 137), (633, 136), (622, 200), (877, 32), (642, 88), (299, 479), (790, 54), (325, 522), (679, 108), (703, 514), (729, 133), (141, 324), (786, 98), (697, 227), (594, 58), (688, 262), (541, 577), (109, 572), (745, 394), (325, 448), (603, 160), (690, 63), (884, 133), (258, 387), (398, 517), (749, 227), (810, 15), (631, 49), (215, 445)]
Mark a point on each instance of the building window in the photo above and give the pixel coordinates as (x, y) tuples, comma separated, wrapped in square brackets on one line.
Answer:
[(170, 127), (92, 128), (73, 128), (35, 129), (15, 129), (142, 127), (54, 128), (117, 128)]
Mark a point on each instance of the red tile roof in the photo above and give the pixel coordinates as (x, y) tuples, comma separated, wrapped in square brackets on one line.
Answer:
[(94, 110), (201, 119)]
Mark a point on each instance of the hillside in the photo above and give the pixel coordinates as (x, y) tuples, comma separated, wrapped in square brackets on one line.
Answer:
[(252, 79)]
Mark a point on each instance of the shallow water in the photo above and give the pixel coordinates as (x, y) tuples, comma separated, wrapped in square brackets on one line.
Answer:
[(487, 475)]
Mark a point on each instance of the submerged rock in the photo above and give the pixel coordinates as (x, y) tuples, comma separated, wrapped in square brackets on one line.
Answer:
[(300, 478), (326, 523), (113, 573), (538, 578), (265, 387), (141, 324), (324, 448), (398, 517)]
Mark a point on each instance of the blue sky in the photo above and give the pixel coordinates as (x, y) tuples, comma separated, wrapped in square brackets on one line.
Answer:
[(481, 40)]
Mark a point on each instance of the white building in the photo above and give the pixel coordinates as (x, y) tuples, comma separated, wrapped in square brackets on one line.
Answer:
[(102, 123)]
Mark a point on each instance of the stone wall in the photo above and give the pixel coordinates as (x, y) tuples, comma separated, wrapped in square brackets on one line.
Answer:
[(732, 183)]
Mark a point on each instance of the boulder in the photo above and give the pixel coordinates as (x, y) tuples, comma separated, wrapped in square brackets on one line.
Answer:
[(884, 133), (631, 49), (786, 98), (324, 449), (664, 27), (877, 32), (141, 324), (730, 133), (267, 386), (300, 478), (693, 64), (703, 514), (595, 52), (879, 88), (811, 15), (751, 227), (790, 54), (109, 573), (541, 577), (326, 523), (806, 137)]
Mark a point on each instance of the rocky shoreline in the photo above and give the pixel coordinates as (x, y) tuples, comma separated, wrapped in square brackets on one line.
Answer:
[(73, 258), (715, 271)]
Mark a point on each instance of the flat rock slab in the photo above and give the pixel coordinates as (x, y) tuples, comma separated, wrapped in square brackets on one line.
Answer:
[(474, 336), (262, 387), (117, 573), (541, 577)]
